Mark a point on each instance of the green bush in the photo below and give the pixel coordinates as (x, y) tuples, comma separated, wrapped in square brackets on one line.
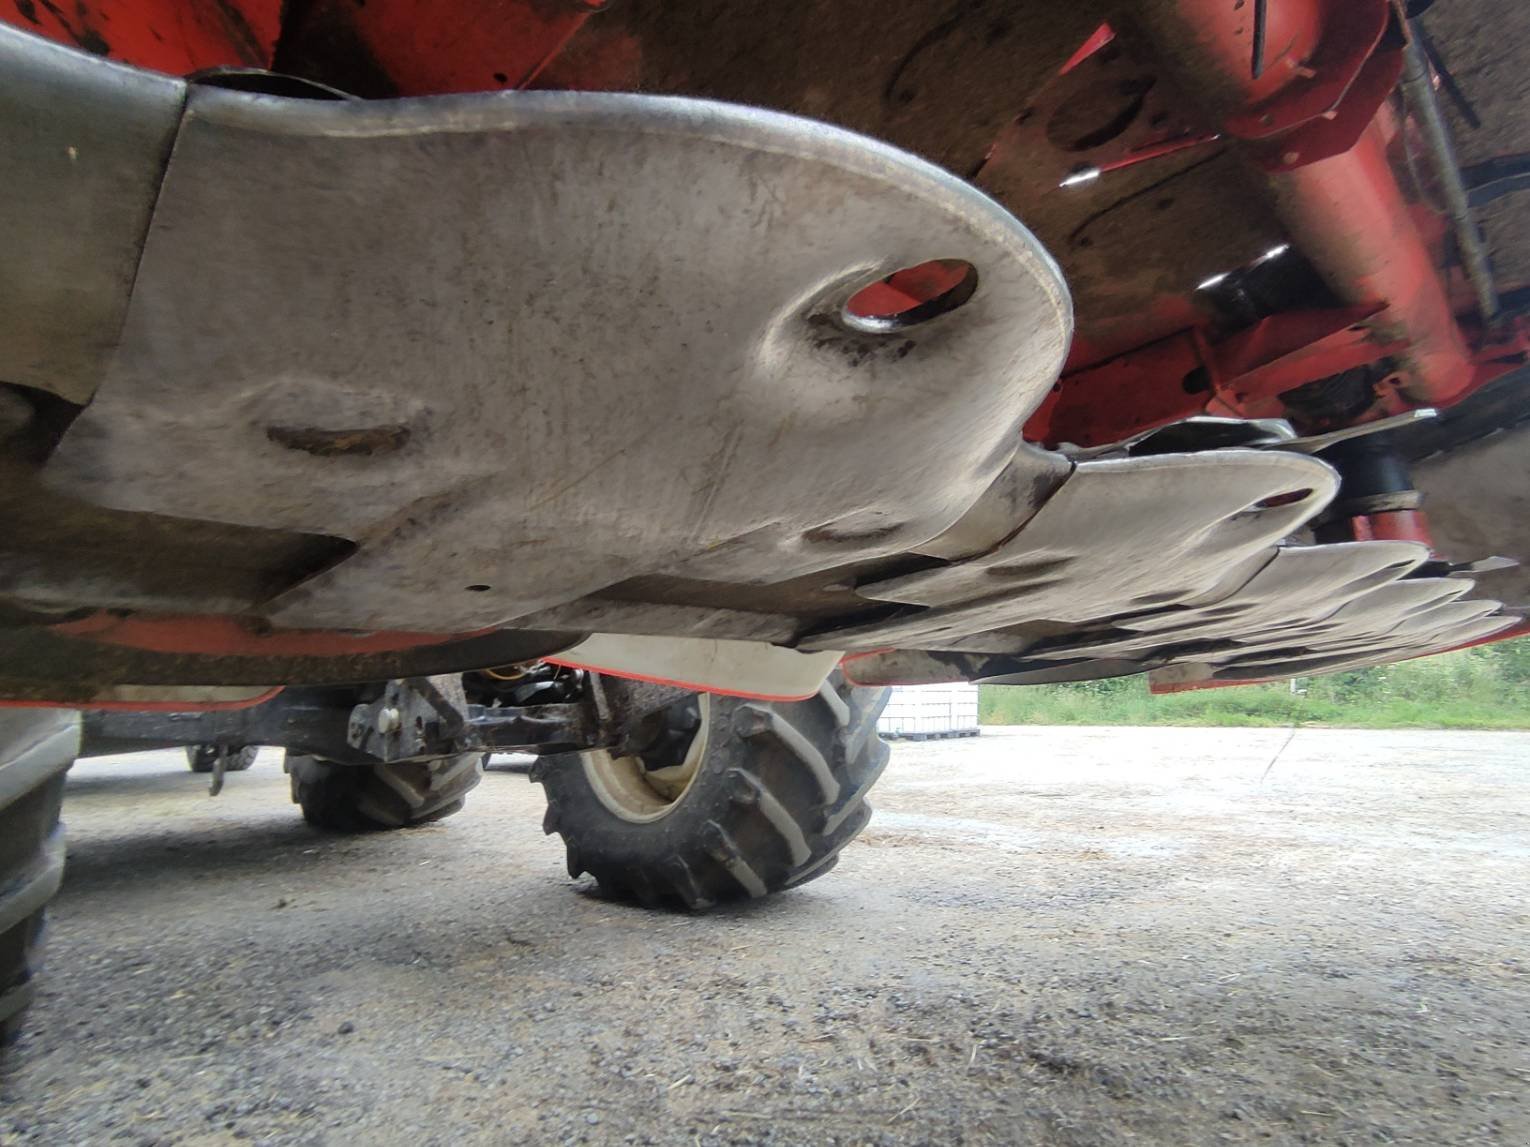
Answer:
[(1487, 687)]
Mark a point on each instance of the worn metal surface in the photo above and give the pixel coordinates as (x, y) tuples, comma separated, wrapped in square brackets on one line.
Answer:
[(1478, 499), (83, 148), (1389, 627), (1298, 587), (1379, 653), (646, 291), (1277, 612), (1120, 537), (1399, 614)]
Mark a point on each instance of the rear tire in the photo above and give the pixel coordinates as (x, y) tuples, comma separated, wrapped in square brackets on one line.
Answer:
[(779, 790), (203, 758), (36, 749), (360, 798)]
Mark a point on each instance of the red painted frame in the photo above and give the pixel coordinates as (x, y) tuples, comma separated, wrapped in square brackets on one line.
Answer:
[(174, 36)]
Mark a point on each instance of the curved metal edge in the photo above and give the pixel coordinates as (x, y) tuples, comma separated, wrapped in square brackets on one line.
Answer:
[(84, 144), (22, 49), (628, 114), (34, 745), (118, 93)]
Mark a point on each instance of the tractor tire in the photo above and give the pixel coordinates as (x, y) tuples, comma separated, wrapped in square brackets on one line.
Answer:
[(763, 799), (202, 758), (363, 798), (36, 748)]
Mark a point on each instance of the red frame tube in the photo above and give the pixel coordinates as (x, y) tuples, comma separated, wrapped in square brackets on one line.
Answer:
[(1349, 217), (1346, 213)]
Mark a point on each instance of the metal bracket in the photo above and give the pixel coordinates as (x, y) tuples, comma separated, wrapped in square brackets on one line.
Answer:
[(628, 701), (220, 767), (412, 718)]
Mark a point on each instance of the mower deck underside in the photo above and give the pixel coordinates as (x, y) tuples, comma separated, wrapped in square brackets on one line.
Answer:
[(563, 364)]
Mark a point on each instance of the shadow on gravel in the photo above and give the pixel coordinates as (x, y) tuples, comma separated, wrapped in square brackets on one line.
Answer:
[(134, 783), (780, 903), (158, 853)]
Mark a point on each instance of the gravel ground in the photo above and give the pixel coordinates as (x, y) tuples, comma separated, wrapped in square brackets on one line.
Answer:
[(1047, 936)]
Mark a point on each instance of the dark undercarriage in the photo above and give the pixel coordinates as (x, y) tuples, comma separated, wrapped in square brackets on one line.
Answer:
[(342, 390)]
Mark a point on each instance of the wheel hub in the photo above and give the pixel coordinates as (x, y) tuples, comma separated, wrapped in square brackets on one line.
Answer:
[(648, 783)]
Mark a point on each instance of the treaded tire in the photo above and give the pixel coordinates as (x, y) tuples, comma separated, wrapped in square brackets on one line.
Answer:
[(202, 758), (780, 790), (360, 798), (36, 749)]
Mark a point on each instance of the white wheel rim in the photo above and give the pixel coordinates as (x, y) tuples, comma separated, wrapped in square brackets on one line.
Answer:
[(630, 790)]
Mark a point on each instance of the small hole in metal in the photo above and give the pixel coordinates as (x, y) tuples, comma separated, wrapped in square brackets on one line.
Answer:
[(911, 296), (480, 588), (1286, 499)]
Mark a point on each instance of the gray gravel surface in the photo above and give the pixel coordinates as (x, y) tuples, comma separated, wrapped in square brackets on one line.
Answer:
[(1048, 936)]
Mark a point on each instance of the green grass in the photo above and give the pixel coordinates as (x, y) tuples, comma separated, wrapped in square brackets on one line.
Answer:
[(1483, 688)]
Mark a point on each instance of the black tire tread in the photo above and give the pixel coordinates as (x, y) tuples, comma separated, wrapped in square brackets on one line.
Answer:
[(203, 758), (361, 798), (36, 747), (781, 791)]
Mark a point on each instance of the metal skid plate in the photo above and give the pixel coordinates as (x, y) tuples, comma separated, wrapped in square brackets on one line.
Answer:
[(1379, 652), (1295, 594), (83, 146), (519, 347), (1144, 564), (1385, 624), (1119, 537)]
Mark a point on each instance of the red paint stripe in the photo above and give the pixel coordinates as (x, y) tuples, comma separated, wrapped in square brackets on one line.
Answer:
[(1101, 36)]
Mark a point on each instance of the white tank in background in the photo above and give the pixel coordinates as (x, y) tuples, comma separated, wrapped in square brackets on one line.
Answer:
[(919, 712)]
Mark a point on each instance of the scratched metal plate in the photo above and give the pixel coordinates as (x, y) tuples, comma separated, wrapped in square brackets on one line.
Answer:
[(1295, 594), (1379, 652), (1120, 537), (522, 346)]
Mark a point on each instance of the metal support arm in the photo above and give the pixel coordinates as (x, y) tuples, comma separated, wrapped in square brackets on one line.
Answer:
[(414, 718)]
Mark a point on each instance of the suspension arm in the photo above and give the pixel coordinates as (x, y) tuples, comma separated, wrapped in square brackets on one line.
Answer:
[(408, 721)]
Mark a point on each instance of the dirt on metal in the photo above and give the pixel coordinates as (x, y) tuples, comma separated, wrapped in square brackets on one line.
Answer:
[(1046, 936)]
